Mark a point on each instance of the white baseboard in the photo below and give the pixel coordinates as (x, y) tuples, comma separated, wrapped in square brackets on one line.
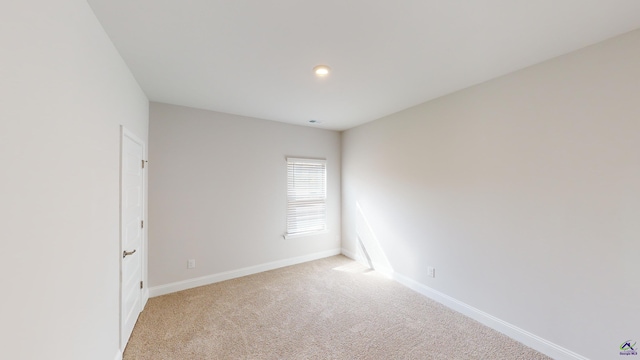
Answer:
[(228, 275), (533, 341), (350, 254), (145, 297), (381, 269), (118, 355)]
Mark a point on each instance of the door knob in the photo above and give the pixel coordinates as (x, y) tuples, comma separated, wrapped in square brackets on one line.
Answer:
[(125, 253)]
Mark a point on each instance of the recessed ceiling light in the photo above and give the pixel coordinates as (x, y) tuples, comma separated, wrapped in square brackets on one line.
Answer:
[(321, 70)]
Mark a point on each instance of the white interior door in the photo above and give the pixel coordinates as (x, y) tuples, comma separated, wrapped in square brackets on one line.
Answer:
[(131, 233)]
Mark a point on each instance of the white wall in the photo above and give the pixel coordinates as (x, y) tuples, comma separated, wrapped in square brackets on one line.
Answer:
[(523, 192), (218, 192), (64, 91)]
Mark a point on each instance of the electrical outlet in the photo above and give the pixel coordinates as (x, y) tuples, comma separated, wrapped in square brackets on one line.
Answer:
[(191, 263), (431, 271)]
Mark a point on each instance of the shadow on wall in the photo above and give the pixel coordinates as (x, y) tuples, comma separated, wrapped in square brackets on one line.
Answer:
[(369, 251)]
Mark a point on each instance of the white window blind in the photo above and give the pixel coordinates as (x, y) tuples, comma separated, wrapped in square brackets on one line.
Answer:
[(306, 196)]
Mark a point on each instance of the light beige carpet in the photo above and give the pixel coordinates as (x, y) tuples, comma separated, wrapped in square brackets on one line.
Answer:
[(332, 308)]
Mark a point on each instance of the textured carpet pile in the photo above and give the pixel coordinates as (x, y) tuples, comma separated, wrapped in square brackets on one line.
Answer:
[(332, 308)]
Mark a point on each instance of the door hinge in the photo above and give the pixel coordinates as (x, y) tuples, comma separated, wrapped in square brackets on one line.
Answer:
[(142, 163), (142, 224), (141, 284)]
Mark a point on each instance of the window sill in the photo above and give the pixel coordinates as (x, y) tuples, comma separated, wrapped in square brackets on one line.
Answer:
[(311, 233)]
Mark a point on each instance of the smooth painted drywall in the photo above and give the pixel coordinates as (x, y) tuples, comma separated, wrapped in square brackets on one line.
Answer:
[(522, 192), (64, 91), (218, 191)]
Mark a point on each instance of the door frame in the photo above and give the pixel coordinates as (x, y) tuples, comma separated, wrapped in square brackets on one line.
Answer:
[(144, 295)]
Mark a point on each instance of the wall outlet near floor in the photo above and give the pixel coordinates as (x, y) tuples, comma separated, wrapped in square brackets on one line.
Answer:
[(431, 271), (191, 263)]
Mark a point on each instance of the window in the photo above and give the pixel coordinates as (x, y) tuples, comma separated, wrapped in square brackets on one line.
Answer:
[(306, 196)]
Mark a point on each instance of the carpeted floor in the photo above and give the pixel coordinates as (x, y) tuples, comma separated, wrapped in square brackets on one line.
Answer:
[(332, 308)]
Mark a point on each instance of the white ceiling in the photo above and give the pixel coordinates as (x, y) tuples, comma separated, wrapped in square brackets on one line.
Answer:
[(254, 57)]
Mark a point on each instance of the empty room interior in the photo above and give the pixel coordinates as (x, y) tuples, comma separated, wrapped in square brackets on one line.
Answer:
[(482, 156)]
